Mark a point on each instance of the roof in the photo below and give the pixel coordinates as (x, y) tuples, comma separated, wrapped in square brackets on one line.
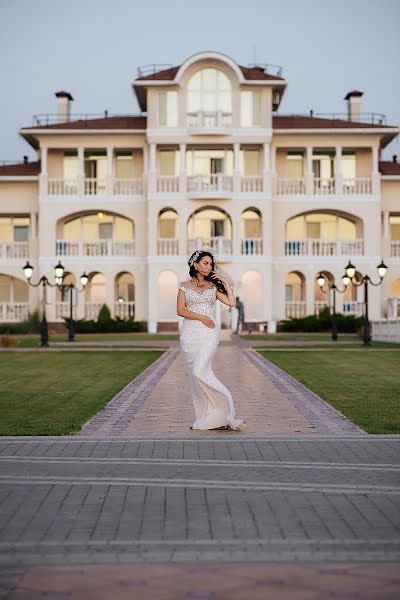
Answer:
[(118, 122), (20, 169), (388, 167), (306, 122), (250, 73)]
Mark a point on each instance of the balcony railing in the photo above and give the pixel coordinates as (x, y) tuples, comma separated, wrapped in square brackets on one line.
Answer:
[(353, 307), (393, 307), (63, 311), (220, 245), (214, 182), (357, 185), (128, 187), (319, 247), (395, 248), (14, 250), (13, 312), (95, 248), (124, 310), (92, 310), (324, 185), (209, 119), (167, 184), (288, 186), (319, 305), (168, 246), (252, 246), (251, 184), (94, 186), (294, 309), (62, 187)]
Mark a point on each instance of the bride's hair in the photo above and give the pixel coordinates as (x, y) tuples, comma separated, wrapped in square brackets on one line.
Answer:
[(195, 258)]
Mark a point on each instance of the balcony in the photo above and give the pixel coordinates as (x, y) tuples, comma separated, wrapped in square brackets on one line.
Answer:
[(294, 309), (13, 312), (116, 186), (124, 310), (395, 249), (209, 121), (210, 185), (96, 248), (14, 250), (251, 185), (319, 247), (220, 245), (167, 184), (323, 186), (63, 311), (168, 246), (251, 246), (393, 307)]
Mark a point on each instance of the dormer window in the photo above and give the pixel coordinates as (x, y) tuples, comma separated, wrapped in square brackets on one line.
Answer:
[(209, 102)]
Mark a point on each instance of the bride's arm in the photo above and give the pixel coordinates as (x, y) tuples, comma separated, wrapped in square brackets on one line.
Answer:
[(228, 298)]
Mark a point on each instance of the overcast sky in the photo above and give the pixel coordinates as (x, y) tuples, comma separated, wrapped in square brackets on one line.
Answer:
[(92, 49)]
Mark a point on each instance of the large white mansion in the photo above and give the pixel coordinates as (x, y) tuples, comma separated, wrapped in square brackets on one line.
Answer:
[(210, 163)]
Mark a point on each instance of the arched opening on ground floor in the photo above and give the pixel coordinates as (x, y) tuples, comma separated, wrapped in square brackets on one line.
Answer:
[(295, 301), (14, 299), (124, 295), (210, 228)]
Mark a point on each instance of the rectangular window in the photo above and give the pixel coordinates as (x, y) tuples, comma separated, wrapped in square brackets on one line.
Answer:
[(217, 227), (288, 293), (21, 233), (394, 228), (217, 165), (105, 231), (250, 109), (168, 109)]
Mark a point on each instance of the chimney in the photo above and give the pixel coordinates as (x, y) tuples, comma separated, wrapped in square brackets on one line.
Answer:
[(394, 158), (64, 100), (354, 105)]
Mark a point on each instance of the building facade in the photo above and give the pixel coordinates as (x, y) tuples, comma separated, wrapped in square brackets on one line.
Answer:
[(210, 163)]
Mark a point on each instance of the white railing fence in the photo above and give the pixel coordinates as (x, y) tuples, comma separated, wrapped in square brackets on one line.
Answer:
[(252, 246), (353, 307), (393, 307), (14, 250), (94, 186), (213, 182), (295, 309), (62, 187), (13, 312), (95, 248), (320, 247), (167, 184), (168, 246), (357, 185), (287, 186), (63, 311), (209, 119), (386, 330), (395, 248), (128, 187), (125, 310), (92, 310), (324, 185), (251, 184), (220, 245)]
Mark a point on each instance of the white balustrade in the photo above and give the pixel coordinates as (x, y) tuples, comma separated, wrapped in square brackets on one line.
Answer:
[(209, 119), (14, 250), (220, 245), (251, 184), (324, 185), (168, 246), (320, 247), (94, 186), (357, 185), (124, 310), (252, 246), (393, 307), (287, 186), (13, 312), (295, 309), (128, 186), (353, 307), (395, 248), (167, 184), (63, 311), (386, 330), (213, 182), (319, 305), (92, 310), (62, 187), (106, 247)]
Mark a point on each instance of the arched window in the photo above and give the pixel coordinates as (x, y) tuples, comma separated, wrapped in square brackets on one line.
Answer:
[(210, 92)]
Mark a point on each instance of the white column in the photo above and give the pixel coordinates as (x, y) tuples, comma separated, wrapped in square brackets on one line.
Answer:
[(33, 226), (182, 168), (310, 284), (153, 157), (267, 184), (182, 238), (152, 174), (110, 300), (273, 175), (236, 168), (81, 171), (236, 227), (338, 171), (386, 224), (375, 175), (43, 172), (110, 171), (309, 171)]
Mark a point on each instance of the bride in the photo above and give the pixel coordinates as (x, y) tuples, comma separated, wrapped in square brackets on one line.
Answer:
[(199, 337)]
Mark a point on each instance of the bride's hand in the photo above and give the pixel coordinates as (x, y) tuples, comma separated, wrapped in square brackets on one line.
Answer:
[(208, 322)]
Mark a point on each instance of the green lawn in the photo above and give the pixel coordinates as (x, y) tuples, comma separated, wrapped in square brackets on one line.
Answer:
[(364, 386), (299, 336), (54, 394), (33, 341), (331, 347)]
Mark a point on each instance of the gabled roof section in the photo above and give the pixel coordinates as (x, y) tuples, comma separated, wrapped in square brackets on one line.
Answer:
[(26, 169)]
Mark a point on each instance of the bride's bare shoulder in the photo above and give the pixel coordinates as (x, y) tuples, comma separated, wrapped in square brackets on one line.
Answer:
[(186, 284)]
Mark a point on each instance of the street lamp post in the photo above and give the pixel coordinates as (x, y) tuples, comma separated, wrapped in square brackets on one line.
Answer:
[(332, 286), (70, 287), (58, 277), (350, 272)]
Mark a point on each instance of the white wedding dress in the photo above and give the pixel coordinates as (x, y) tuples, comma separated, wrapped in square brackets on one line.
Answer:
[(213, 403)]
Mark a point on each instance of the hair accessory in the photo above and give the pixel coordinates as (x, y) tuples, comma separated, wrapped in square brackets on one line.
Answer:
[(194, 257)]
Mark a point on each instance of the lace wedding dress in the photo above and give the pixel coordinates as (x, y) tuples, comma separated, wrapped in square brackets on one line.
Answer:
[(213, 403)]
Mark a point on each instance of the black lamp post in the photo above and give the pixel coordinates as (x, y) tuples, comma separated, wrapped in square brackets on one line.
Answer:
[(28, 270), (350, 272), (58, 277), (70, 287), (332, 286)]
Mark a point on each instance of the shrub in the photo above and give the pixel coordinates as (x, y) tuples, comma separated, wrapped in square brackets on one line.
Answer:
[(8, 340), (321, 322), (111, 326), (30, 325)]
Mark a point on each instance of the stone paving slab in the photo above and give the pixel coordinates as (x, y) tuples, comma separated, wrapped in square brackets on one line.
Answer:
[(190, 581)]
